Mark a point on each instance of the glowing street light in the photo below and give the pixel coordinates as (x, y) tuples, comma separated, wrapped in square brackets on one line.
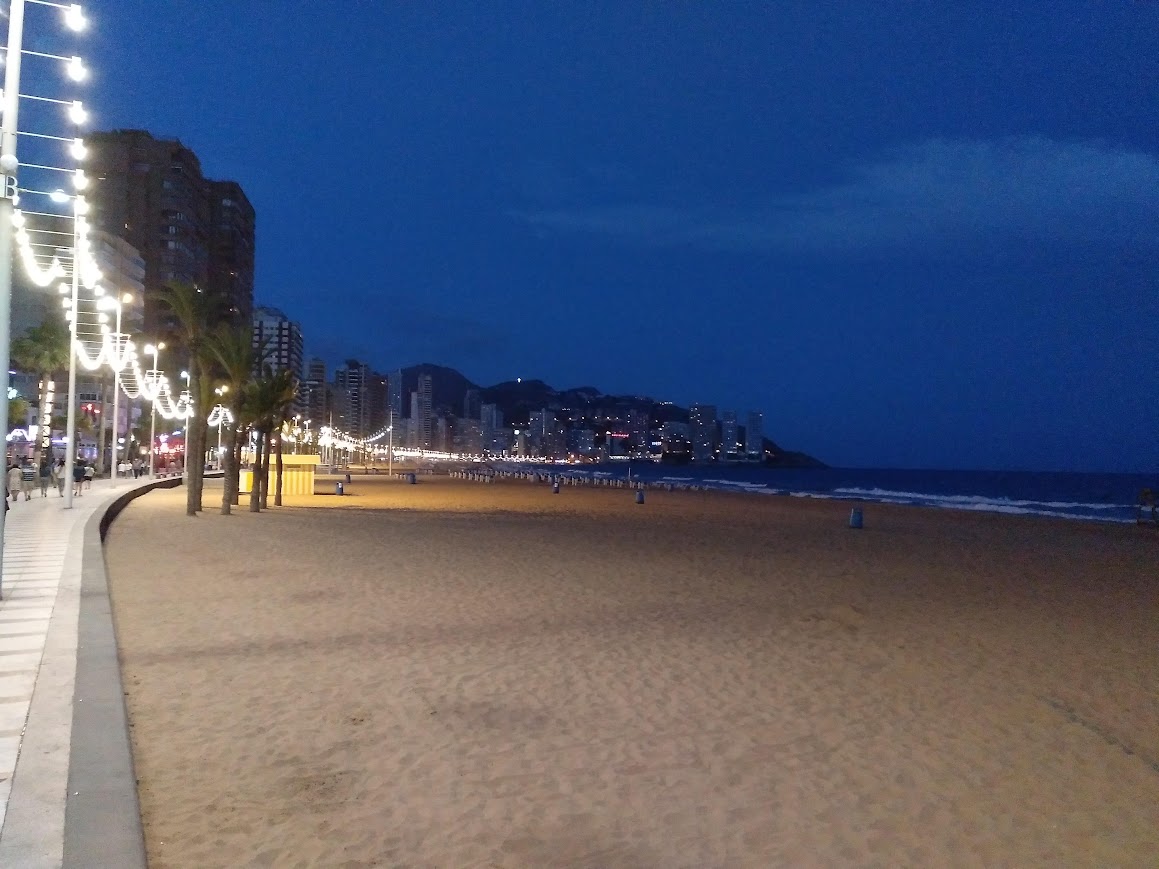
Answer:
[(153, 373)]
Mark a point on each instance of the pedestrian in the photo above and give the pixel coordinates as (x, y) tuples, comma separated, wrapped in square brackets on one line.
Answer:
[(137, 465), (45, 476), (58, 476), (78, 476), (27, 479), (14, 481), (90, 472)]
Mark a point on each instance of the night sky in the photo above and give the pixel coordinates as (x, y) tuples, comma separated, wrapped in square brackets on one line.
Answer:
[(913, 234)]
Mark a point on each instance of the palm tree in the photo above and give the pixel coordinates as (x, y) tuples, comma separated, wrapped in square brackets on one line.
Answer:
[(192, 312), (44, 351), (231, 347), (268, 400)]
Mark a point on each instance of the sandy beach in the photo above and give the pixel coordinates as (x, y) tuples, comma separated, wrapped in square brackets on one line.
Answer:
[(455, 674)]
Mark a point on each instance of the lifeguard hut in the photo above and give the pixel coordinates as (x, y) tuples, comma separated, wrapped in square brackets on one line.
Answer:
[(297, 475)]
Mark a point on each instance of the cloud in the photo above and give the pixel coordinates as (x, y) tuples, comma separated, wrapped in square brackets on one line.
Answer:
[(940, 192)]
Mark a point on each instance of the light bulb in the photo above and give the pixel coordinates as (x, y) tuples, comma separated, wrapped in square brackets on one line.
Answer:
[(76, 69), (77, 113), (74, 17), (17, 219), (79, 181), (78, 150), (82, 207), (58, 196)]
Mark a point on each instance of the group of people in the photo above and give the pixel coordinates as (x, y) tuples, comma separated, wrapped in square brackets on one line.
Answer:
[(136, 468), (23, 477)]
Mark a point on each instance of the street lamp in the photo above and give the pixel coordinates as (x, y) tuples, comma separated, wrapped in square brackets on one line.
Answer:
[(221, 391), (154, 377), (117, 304), (390, 445)]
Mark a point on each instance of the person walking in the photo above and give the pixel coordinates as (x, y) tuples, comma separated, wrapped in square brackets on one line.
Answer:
[(27, 479), (90, 472), (13, 481), (78, 476), (45, 476), (58, 476)]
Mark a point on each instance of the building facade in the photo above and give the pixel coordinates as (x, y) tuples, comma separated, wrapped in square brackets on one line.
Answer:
[(702, 425), (187, 229), (277, 342), (754, 434)]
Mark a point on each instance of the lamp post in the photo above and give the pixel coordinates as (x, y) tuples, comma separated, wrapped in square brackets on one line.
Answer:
[(118, 304), (153, 373), (390, 445), (221, 391), (185, 461)]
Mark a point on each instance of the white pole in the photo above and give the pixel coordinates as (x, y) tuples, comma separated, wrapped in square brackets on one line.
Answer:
[(116, 398), (8, 166), (153, 417), (390, 445)]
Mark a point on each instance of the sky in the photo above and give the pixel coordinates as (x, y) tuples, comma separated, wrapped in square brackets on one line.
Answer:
[(912, 234)]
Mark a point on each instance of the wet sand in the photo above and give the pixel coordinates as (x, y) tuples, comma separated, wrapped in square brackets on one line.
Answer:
[(458, 674)]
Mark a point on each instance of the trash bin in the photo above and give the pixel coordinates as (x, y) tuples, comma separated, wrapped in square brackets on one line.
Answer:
[(639, 496), (338, 490), (855, 520), (412, 478)]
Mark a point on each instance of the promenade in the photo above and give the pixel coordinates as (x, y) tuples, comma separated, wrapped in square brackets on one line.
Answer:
[(64, 767)]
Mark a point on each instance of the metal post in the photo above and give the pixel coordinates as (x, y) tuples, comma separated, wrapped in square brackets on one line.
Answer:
[(8, 166), (390, 445), (116, 398), (70, 429)]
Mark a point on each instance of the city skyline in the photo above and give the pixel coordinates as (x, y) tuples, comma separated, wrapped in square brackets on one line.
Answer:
[(705, 204)]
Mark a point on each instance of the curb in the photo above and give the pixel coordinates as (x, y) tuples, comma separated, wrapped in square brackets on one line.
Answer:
[(102, 820)]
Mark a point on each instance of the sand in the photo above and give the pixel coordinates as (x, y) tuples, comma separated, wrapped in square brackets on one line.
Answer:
[(456, 674)]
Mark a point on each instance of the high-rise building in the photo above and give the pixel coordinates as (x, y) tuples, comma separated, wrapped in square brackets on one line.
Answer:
[(754, 435), (702, 422), (472, 401), (729, 432), (277, 342), (493, 436), (314, 393), (187, 229), (425, 420), (231, 247), (394, 397), (354, 379), (638, 426)]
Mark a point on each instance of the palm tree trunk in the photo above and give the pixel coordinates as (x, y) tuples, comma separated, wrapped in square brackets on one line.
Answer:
[(265, 470), (227, 467), (255, 483), (278, 486), (195, 442), (239, 441)]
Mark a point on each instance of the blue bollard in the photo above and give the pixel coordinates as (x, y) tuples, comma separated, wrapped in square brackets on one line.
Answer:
[(639, 496), (338, 490), (855, 518)]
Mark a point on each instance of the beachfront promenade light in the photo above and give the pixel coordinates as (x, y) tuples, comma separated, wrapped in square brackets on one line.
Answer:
[(14, 229)]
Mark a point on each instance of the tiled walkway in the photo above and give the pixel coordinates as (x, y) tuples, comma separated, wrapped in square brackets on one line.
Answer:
[(44, 544)]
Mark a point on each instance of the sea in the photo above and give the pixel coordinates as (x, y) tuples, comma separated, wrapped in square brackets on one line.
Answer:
[(1083, 496)]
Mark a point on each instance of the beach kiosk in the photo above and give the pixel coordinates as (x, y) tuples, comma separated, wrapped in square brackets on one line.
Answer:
[(297, 475)]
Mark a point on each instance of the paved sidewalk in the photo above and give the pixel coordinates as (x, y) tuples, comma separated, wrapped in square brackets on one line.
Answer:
[(45, 562)]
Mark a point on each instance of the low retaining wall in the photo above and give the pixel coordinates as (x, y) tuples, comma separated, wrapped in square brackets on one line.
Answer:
[(102, 820)]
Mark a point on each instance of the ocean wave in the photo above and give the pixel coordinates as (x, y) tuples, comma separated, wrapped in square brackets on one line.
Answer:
[(925, 497)]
